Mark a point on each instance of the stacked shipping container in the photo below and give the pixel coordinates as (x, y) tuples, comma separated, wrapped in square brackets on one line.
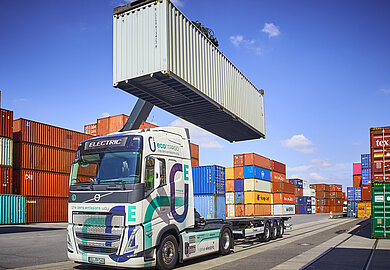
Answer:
[(354, 196), (6, 149), (283, 192), (364, 207), (305, 202), (43, 156), (329, 198), (209, 191)]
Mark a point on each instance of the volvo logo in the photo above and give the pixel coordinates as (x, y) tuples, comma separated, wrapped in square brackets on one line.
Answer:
[(96, 198)]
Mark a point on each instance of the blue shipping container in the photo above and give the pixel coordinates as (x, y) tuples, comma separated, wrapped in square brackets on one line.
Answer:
[(304, 209), (303, 200), (350, 194), (366, 176), (239, 185), (352, 209), (365, 160), (12, 209), (257, 172), (358, 194), (297, 182), (209, 180), (239, 197), (210, 206)]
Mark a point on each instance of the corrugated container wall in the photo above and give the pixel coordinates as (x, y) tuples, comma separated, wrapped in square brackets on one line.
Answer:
[(6, 147), (6, 122), (46, 209), (39, 133), (90, 129), (12, 209), (366, 161), (6, 180), (380, 211), (210, 206), (110, 124), (253, 159), (357, 168), (157, 39), (278, 167), (380, 154), (209, 180)]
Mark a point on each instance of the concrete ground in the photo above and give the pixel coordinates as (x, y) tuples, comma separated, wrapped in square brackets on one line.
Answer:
[(43, 246)]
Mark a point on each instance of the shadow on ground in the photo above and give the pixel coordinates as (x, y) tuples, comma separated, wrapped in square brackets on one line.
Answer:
[(22, 229)]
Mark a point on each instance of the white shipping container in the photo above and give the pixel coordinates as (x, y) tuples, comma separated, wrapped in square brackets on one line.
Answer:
[(162, 57), (309, 192), (251, 184), (313, 209), (6, 148), (230, 210), (283, 209), (305, 184), (313, 201), (229, 197)]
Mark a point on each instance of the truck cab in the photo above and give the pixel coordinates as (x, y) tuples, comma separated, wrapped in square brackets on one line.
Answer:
[(131, 202)]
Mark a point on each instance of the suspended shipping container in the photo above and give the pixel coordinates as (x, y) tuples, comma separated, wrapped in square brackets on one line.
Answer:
[(210, 206), (209, 180), (12, 209)]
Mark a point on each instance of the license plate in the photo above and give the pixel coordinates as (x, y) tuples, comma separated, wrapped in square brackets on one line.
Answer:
[(96, 260)]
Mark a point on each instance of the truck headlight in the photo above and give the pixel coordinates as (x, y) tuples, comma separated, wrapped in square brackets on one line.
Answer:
[(130, 248)]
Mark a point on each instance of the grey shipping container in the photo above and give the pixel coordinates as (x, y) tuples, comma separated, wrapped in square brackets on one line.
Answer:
[(162, 57), (6, 147)]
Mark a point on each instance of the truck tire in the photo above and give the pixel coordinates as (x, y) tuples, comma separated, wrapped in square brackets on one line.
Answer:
[(274, 230), (225, 241), (167, 253), (267, 231), (281, 228)]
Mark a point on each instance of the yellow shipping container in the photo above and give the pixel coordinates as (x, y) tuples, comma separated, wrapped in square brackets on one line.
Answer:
[(254, 197), (229, 173), (364, 209)]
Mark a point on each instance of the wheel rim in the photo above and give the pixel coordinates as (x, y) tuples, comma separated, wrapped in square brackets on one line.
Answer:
[(266, 232), (168, 252), (226, 240)]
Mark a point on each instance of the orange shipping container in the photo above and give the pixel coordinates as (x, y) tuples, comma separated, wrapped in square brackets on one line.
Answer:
[(38, 183), (321, 187), (282, 198), (322, 202), (90, 129), (322, 209), (229, 185), (357, 180), (110, 124), (298, 192), (256, 160), (336, 202), (280, 187), (238, 160), (278, 167), (145, 125), (39, 133), (194, 151), (262, 209), (249, 210), (6, 180), (194, 162), (238, 172), (336, 209), (322, 194), (46, 209), (335, 195), (239, 210), (278, 177), (335, 188), (366, 192)]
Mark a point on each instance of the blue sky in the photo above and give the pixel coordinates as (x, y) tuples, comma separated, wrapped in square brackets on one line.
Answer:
[(324, 66)]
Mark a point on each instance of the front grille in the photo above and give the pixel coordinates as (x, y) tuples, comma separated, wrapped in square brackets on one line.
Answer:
[(97, 249), (97, 236)]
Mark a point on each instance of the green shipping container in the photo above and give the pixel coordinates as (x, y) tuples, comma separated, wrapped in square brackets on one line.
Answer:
[(12, 209), (380, 211)]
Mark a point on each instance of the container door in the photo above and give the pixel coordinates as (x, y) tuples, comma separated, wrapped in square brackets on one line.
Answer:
[(220, 207), (380, 211)]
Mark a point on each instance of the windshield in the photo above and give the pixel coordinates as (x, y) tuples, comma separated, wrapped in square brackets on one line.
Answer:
[(107, 168)]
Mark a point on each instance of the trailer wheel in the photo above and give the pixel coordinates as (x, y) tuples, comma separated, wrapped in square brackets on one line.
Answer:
[(225, 241), (167, 253), (274, 230), (281, 228), (267, 231)]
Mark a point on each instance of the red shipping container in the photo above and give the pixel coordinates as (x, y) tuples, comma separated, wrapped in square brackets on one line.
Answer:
[(194, 162), (357, 168), (39, 133), (322, 202), (336, 209), (380, 153), (238, 160), (322, 194), (313, 186), (194, 151), (357, 180), (238, 172), (6, 123), (278, 177), (256, 160), (343, 195), (145, 125), (298, 192), (283, 198), (239, 210), (366, 192), (281, 187), (335, 195), (335, 188), (278, 167), (320, 187), (38, 183), (110, 124), (46, 209), (6, 180), (322, 209), (336, 202)]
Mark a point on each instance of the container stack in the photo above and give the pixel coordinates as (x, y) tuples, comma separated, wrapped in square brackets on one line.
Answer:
[(336, 200), (322, 197), (6, 149), (304, 198), (357, 174), (43, 156), (354, 196), (380, 182), (209, 191), (283, 192), (364, 207)]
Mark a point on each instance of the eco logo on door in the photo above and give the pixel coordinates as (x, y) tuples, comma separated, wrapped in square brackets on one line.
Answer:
[(152, 144)]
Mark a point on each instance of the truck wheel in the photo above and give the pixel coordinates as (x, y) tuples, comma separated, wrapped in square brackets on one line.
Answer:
[(167, 253), (281, 229), (274, 230), (225, 241), (266, 235)]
